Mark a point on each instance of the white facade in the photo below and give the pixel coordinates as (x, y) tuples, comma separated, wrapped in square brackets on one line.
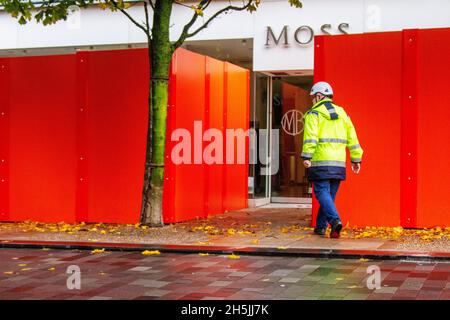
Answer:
[(94, 26)]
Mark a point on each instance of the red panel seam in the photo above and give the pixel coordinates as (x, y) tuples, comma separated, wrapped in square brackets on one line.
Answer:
[(319, 75), (247, 140), (169, 167), (206, 126), (319, 58), (82, 162), (409, 129), (4, 141), (224, 127)]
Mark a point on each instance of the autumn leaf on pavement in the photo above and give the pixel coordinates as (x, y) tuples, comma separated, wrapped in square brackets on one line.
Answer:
[(95, 251), (203, 243), (363, 260), (233, 256), (150, 252)]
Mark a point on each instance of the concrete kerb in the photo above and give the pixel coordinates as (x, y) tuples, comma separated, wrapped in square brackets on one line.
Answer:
[(220, 250)]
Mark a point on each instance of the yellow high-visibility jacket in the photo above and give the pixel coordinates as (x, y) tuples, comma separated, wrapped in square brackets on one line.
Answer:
[(328, 131)]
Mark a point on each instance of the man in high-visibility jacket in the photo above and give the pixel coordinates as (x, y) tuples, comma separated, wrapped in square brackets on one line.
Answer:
[(328, 131)]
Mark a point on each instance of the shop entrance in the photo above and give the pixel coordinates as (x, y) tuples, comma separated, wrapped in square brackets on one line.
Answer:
[(290, 101), (278, 106)]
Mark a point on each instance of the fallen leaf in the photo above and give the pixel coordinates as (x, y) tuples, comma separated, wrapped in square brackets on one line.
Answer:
[(363, 260), (95, 251), (201, 254), (150, 252), (233, 256), (254, 241), (51, 269)]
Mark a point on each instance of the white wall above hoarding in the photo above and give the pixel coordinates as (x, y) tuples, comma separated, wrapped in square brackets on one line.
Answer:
[(361, 16), (96, 27)]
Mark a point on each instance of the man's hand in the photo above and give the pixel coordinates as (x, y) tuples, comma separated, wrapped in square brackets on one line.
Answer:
[(307, 163), (356, 167)]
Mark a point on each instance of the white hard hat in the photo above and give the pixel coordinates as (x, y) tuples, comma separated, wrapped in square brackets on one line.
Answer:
[(323, 88)]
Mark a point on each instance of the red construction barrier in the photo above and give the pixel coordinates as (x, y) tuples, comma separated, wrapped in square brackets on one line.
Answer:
[(387, 83), (187, 105), (214, 119), (236, 117), (215, 95), (73, 134), (433, 82), (114, 86), (42, 138)]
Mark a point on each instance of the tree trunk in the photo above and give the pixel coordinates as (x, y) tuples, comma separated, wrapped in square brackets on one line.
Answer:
[(160, 55)]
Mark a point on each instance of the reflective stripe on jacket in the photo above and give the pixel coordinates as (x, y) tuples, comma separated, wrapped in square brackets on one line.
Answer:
[(328, 131)]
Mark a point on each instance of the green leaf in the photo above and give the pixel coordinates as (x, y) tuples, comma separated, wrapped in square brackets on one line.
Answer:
[(295, 3)]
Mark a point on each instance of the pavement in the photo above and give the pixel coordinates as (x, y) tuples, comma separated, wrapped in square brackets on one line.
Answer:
[(43, 275), (265, 231)]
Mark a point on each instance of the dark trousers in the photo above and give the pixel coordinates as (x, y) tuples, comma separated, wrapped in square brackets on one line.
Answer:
[(325, 192)]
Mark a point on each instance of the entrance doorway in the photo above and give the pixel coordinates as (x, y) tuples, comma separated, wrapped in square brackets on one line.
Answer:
[(290, 101), (278, 106)]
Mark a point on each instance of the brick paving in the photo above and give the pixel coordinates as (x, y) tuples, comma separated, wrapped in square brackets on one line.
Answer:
[(41, 274)]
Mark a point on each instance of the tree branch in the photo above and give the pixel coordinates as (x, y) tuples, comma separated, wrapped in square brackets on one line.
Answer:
[(147, 32), (203, 4), (151, 4), (185, 33), (147, 26)]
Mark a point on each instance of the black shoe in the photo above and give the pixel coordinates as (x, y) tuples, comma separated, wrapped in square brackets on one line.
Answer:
[(320, 231), (336, 228)]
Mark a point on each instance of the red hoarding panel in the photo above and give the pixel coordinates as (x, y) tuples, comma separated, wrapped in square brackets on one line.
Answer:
[(42, 138), (188, 112), (4, 139), (73, 134), (434, 132), (214, 119), (236, 122), (365, 72), (116, 108)]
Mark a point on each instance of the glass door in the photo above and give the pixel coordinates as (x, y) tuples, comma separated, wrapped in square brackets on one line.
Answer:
[(259, 164), (290, 101)]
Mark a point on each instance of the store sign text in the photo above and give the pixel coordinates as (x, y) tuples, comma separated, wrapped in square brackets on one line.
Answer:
[(306, 30)]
